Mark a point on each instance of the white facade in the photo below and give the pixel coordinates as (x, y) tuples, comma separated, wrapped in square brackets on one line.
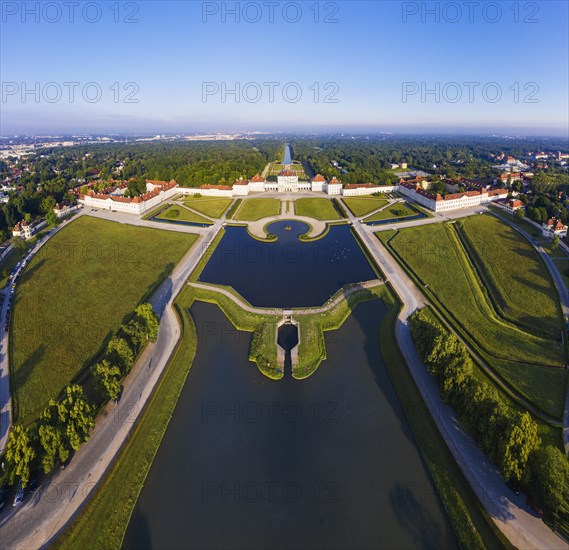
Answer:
[(206, 192), (444, 205), (66, 210), (129, 206)]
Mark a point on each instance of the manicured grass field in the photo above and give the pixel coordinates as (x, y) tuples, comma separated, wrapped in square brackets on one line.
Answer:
[(319, 209), (74, 294), (392, 212), (212, 207), (254, 209), (102, 522), (179, 213), (437, 260), (278, 167), (360, 206), (510, 267)]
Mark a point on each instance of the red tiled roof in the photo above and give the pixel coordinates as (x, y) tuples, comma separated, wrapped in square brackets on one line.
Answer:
[(287, 172), (258, 179), (359, 186), (334, 181), (220, 187), (319, 178)]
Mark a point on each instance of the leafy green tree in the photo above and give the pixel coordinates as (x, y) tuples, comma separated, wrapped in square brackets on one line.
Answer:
[(77, 414), (520, 214), (120, 354), (549, 479), (107, 379), (518, 444), (555, 242), (52, 438), (19, 454), (51, 218), (47, 204), (18, 244), (149, 319), (135, 332)]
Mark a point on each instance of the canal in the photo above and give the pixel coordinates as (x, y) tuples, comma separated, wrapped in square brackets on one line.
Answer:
[(326, 462)]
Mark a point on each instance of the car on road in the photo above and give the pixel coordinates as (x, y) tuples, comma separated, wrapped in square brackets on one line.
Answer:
[(514, 486), (19, 494), (32, 485), (3, 496), (6, 327), (535, 507)]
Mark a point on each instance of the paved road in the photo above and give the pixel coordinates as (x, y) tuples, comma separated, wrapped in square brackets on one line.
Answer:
[(510, 512), (38, 520), (564, 298)]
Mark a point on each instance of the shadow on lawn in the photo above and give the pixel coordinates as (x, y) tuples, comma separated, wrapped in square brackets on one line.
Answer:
[(22, 374)]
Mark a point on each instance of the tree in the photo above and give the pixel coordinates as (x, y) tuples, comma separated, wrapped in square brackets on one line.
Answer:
[(47, 204), (19, 454), (18, 244), (555, 242), (120, 354), (52, 438), (520, 214), (518, 445), (549, 478), (77, 414), (51, 218), (108, 379), (150, 320)]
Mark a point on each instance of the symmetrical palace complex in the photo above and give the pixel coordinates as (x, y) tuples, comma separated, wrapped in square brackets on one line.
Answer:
[(287, 181)]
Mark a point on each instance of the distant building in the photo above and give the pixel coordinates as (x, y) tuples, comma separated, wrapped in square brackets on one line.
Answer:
[(27, 230), (62, 209), (552, 227), (452, 201), (512, 205), (113, 198)]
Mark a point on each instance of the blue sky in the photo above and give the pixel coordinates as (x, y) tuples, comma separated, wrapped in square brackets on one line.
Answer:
[(360, 52)]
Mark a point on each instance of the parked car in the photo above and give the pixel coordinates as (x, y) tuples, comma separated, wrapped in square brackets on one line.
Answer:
[(535, 507), (19, 494), (32, 485), (3, 496), (513, 486)]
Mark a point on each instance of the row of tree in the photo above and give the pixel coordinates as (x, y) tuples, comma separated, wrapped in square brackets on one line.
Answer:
[(510, 438), (122, 349), (65, 424)]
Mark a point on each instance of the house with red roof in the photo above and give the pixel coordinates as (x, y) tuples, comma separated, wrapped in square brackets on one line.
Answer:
[(552, 227)]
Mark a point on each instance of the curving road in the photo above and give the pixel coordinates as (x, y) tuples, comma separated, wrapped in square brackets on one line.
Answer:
[(510, 513), (38, 520)]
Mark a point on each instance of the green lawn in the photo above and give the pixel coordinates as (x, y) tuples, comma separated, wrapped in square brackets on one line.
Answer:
[(438, 262), (212, 207), (74, 294), (360, 206), (179, 213), (254, 209), (102, 522), (394, 211), (278, 167), (319, 209), (510, 267)]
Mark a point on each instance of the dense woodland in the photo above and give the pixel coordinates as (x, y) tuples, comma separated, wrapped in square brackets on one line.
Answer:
[(52, 172)]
